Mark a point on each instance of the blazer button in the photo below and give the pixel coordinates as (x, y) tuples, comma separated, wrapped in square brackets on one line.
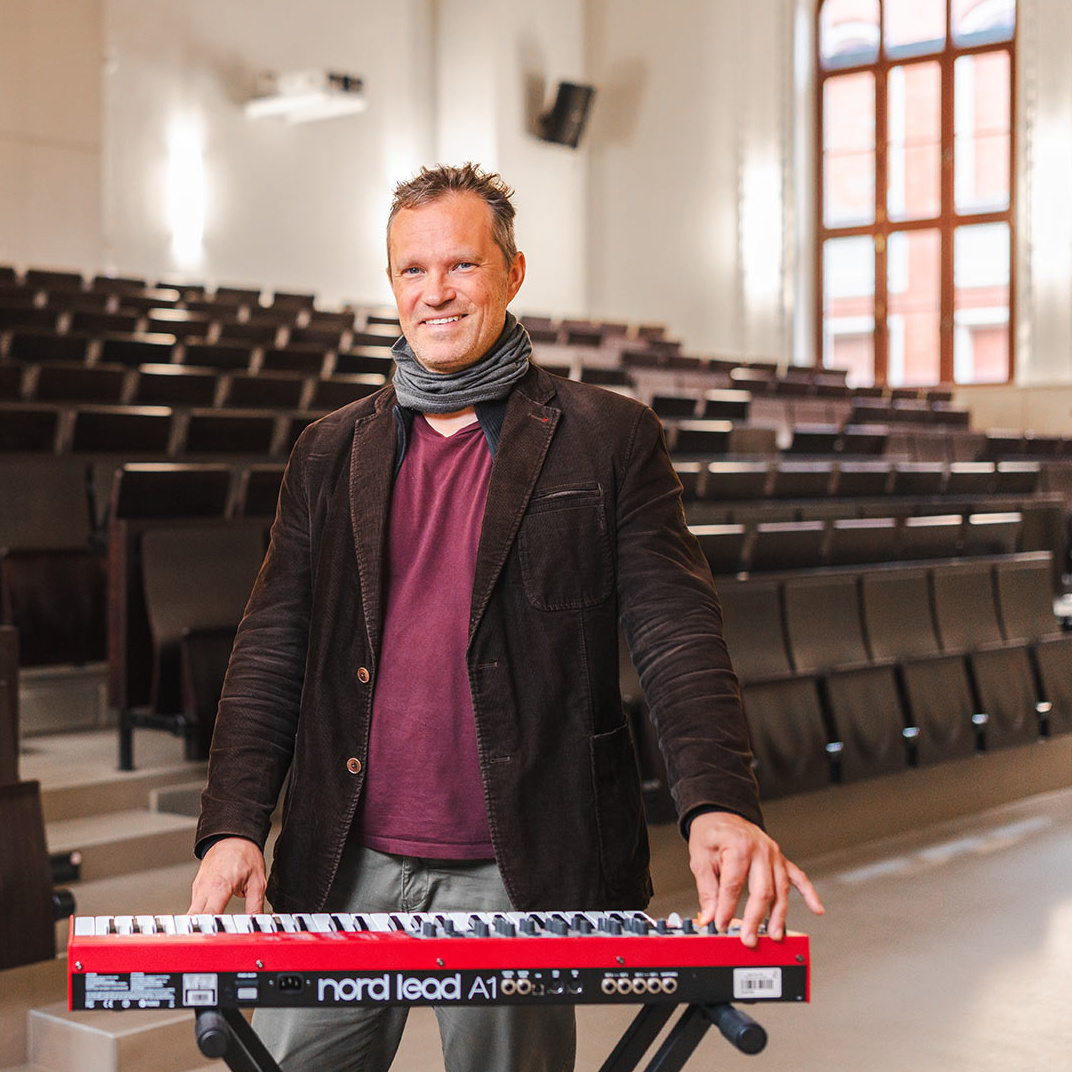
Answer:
[(353, 765), (363, 675)]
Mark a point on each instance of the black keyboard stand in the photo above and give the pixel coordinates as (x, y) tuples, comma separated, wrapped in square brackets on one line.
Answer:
[(224, 1033)]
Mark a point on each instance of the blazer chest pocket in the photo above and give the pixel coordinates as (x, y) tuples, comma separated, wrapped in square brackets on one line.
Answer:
[(565, 550)]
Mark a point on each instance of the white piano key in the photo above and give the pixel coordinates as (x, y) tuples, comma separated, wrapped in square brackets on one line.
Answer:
[(206, 924), (304, 920), (145, 924), (380, 921), (227, 924), (265, 923), (321, 923), (287, 923), (124, 924), (166, 924), (84, 926), (103, 924), (184, 925), (243, 924), (345, 921)]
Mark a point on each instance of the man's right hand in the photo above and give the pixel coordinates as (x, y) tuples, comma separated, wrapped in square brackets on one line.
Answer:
[(233, 867)]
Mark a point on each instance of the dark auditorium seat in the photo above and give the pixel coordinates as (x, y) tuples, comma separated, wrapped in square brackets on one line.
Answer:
[(733, 481), (37, 319), (49, 279), (970, 478), (785, 721), (899, 625), (863, 439), (28, 427), (52, 584), (698, 437), (95, 322), (1025, 602), (265, 390), (182, 323), (220, 355), (862, 479), (308, 360), (175, 385), (121, 430), (333, 392), (157, 490), (918, 478), (40, 346), (802, 480), (726, 405), (966, 617), (669, 406), (857, 540), (722, 545), (814, 439), (62, 382), (219, 431), (147, 349), (930, 536), (10, 382), (1018, 478), (258, 491), (326, 337), (365, 360), (195, 577), (992, 533), (786, 545)]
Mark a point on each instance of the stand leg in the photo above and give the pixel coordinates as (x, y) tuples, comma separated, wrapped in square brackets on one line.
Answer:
[(640, 1034), (684, 1037), (225, 1033)]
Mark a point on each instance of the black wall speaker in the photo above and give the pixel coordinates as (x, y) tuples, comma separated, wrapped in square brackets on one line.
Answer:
[(565, 122)]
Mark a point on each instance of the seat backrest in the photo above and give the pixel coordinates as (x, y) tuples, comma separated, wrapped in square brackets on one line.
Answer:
[(160, 490), (965, 610), (1025, 598), (854, 540), (822, 617), (44, 505), (784, 545), (755, 633), (897, 615)]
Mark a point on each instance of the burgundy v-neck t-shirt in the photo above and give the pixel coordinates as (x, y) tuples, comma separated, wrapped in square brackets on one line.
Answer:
[(423, 792)]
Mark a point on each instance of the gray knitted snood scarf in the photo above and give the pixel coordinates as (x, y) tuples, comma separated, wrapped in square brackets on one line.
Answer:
[(447, 392)]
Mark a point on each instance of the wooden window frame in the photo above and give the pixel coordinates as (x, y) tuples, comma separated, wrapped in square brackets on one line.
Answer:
[(947, 220)]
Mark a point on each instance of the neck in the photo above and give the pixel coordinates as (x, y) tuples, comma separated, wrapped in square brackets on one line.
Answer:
[(446, 424)]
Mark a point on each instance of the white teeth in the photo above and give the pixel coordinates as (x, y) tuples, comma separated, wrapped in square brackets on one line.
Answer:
[(444, 320)]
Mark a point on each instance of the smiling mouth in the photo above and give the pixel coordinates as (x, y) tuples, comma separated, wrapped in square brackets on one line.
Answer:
[(437, 321)]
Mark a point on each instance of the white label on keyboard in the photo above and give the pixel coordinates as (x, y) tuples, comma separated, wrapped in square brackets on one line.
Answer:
[(199, 988), (757, 983)]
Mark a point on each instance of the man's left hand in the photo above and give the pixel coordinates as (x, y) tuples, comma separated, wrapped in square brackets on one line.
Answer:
[(726, 852)]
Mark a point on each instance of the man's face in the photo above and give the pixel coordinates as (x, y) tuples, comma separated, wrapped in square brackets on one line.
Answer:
[(450, 280)]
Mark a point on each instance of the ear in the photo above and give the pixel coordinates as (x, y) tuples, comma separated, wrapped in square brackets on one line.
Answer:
[(516, 275)]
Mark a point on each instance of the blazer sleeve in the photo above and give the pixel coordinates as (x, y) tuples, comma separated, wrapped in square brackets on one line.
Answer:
[(672, 621), (256, 723)]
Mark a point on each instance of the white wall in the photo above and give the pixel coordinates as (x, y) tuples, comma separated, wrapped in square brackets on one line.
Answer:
[(286, 206), (50, 146), (498, 63), (691, 189)]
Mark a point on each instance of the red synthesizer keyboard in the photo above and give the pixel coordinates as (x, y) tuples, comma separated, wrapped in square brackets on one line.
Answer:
[(458, 958)]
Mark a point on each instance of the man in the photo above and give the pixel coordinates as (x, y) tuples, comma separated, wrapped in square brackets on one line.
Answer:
[(430, 651)]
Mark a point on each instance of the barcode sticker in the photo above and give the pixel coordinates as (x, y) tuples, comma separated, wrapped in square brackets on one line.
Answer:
[(756, 983)]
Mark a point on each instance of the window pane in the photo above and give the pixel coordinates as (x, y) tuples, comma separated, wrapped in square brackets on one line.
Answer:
[(914, 158), (913, 27), (848, 32), (849, 308), (981, 303), (849, 150), (981, 128), (913, 279), (978, 22)]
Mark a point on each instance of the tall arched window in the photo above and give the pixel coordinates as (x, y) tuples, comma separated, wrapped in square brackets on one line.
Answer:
[(916, 229)]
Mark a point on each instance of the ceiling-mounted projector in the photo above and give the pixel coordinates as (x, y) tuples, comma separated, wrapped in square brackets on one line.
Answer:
[(305, 96)]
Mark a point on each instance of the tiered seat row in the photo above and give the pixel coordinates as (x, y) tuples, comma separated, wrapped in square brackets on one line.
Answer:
[(848, 674)]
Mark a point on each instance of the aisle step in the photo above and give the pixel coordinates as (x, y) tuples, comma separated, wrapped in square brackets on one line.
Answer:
[(121, 842), (100, 1041)]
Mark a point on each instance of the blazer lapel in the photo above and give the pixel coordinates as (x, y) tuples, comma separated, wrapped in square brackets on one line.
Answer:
[(372, 461), (527, 431)]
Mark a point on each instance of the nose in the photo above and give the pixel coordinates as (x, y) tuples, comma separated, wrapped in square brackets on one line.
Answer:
[(437, 289)]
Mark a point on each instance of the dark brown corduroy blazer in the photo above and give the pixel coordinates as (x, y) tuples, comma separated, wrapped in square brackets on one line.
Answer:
[(583, 523)]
